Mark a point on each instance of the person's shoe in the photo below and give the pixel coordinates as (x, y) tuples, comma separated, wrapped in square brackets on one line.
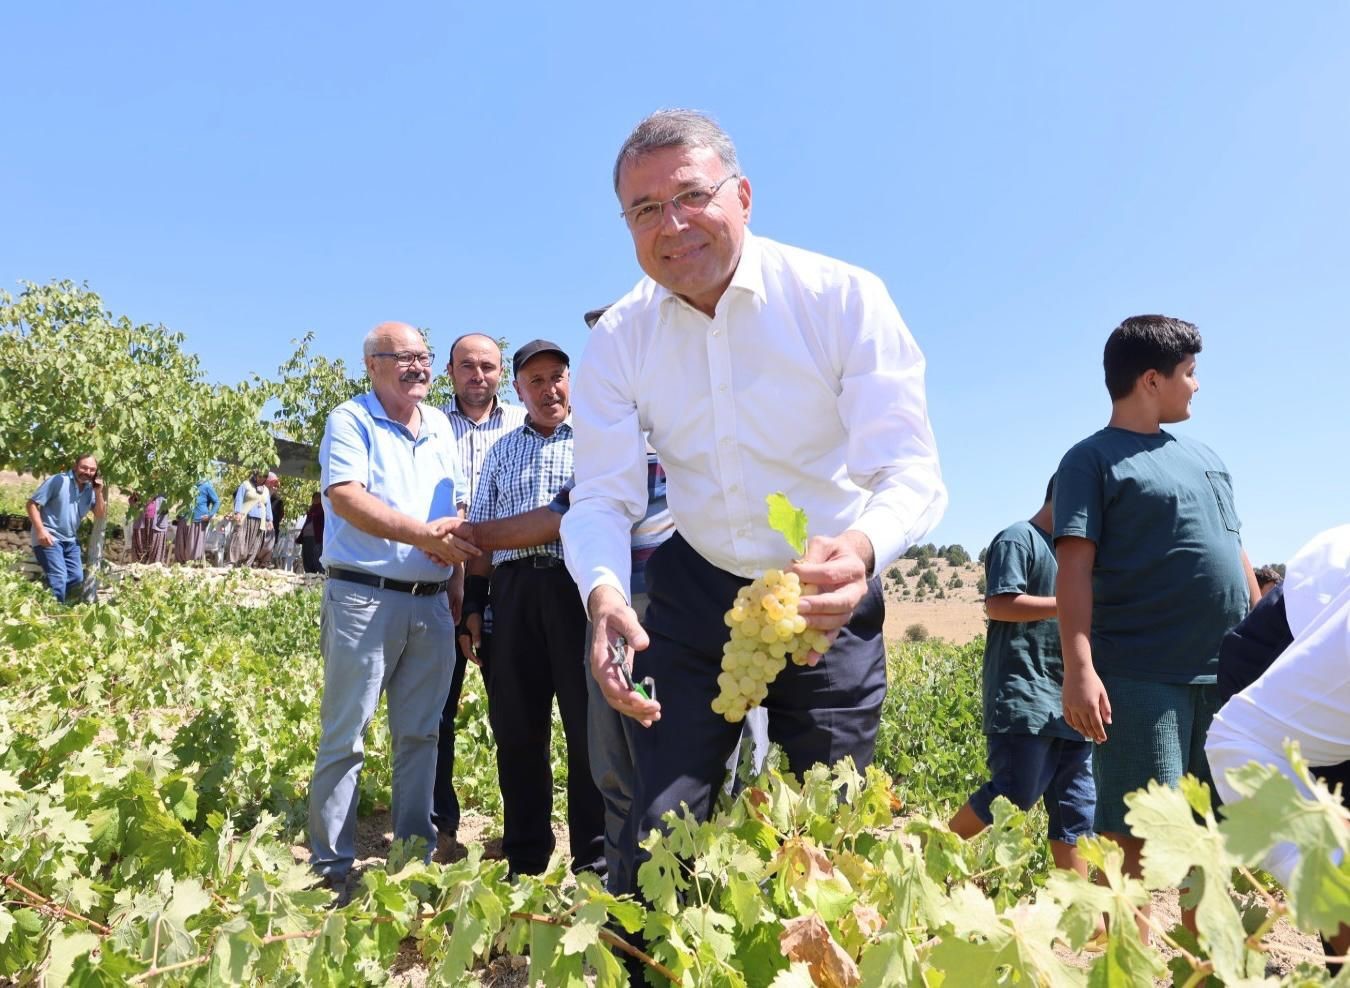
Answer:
[(448, 850), (341, 887)]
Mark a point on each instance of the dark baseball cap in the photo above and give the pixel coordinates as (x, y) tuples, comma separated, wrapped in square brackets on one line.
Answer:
[(533, 349)]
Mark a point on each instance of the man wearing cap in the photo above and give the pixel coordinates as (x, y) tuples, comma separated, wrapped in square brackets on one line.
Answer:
[(393, 491), (479, 418), (538, 628), (753, 367)]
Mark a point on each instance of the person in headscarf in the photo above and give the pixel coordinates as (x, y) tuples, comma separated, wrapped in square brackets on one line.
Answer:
[(189, 542), (252, 518)]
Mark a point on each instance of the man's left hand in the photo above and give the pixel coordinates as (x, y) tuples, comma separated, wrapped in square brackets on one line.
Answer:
[(838, 568)]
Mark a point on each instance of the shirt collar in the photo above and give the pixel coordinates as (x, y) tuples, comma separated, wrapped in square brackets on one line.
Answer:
[(376, 409), (564, 424), (748, 276), (495, 411)]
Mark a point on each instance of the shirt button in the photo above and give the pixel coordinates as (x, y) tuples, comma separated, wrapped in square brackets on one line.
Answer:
[(726, 440), (721, 387), (717, 332), (733, 488)]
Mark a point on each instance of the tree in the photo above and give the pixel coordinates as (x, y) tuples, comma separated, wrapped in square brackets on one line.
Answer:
[(79, 380), (929, 579), (955, 555)]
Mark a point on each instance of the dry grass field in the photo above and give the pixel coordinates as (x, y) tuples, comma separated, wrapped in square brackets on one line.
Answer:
[(958, 617)]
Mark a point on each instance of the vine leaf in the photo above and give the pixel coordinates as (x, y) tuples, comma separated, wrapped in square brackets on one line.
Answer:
[(788, 520), (807, 939)]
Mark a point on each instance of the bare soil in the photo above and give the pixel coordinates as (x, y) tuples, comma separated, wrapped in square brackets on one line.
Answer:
[(956, 617)]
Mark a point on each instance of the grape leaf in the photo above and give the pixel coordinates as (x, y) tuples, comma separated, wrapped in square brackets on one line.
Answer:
[(789, 521)]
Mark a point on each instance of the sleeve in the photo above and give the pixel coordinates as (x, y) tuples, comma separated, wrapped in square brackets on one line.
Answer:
[(1079, 495), (1303, 696), (563, 499), (344, 452), (239, 499), (483, 505), (884, 407), (45, 490), (212, 499), (611, 469), (1005, 567)]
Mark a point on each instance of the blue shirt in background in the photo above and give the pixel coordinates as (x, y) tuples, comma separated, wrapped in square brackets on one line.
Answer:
[(208, 501), (420, 477), (62, 503)]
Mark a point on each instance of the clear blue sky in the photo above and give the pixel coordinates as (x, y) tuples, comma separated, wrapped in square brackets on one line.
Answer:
[(1022, 177)]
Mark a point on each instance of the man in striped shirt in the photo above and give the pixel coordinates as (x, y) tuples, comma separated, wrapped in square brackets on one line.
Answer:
[(478, 418), (539, 629)]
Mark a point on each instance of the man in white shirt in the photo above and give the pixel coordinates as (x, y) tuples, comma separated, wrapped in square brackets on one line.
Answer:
[(753, 367)]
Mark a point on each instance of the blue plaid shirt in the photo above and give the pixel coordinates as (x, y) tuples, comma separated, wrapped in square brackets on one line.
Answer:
[(523, 471)]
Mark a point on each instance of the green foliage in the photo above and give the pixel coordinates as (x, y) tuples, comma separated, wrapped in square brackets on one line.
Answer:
[(955, 582), (79, 380), (956, 555), (152, 760), (932, 735), (982, 585), (929, 579), (916, 633)]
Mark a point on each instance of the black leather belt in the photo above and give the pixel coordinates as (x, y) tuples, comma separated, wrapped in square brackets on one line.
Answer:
[(417, 589), (542, 561)]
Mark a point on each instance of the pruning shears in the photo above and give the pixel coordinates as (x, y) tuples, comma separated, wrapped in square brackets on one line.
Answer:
[(618, 656)]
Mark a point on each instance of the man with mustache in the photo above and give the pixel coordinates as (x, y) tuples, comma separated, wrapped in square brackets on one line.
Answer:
[(393, 494), (539, 631), (754, 367)]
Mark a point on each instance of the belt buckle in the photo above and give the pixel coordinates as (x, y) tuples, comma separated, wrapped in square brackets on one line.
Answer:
[(416, 587)]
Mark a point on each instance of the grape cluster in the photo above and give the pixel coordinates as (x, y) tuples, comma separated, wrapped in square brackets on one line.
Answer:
[(765, 630)]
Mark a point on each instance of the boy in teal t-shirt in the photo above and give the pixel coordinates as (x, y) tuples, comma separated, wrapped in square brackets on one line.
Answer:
[(1152, 574), (1032, 753)]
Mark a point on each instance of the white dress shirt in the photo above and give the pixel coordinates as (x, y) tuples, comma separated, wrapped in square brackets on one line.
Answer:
[(1305, 694), (805, 381)]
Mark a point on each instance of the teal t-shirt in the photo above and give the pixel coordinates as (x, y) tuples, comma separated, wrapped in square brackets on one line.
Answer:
[(1168, 581), (1023, 666)]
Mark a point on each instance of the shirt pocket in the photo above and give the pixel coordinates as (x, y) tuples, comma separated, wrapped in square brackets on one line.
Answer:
[(1222, 484)]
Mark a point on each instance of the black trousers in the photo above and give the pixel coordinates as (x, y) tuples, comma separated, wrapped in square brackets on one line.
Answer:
[(538, 636), (444, 799), (819, 714)]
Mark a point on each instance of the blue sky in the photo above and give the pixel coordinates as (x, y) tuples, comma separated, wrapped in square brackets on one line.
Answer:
[(1022, 177)]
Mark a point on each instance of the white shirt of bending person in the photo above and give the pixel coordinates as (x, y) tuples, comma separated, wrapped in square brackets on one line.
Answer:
[(1305, 694), (805, 380)]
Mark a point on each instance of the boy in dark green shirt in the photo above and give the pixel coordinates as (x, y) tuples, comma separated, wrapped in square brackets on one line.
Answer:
[(1032, 752), (1152, 574)]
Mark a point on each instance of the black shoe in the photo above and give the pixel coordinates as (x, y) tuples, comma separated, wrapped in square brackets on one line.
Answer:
[(340, 886)]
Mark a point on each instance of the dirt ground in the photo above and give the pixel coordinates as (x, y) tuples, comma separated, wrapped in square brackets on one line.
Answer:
[(958, 617)]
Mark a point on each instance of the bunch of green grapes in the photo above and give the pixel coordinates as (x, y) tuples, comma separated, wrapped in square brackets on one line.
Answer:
[(765, 630)]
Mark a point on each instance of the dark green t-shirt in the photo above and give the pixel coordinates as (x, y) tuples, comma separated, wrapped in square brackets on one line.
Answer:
[(1023, 667), (1168, 581)]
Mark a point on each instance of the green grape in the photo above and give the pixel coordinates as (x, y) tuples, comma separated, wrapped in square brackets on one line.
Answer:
[(766, 631)]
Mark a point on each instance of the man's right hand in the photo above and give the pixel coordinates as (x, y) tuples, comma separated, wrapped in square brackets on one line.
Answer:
[(470, 642), (611, 617), (448, 540), (44, 539), (1087, 709)]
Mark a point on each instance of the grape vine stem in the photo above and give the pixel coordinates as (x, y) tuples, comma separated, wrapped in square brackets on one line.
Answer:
[(46, 903)]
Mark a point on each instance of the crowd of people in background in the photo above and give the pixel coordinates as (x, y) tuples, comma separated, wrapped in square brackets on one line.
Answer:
[(590, 539)]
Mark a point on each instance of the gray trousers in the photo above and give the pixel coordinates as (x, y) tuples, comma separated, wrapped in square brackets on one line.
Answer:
[(377, 641)]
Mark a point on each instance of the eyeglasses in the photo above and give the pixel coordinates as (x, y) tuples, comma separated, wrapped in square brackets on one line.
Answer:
[(406, 358), (646, 215)]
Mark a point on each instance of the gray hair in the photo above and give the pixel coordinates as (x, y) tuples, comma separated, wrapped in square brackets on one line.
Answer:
[(677, 129), (371, 344)]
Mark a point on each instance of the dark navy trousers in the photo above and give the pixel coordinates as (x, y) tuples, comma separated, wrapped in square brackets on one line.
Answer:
[(817, 715)]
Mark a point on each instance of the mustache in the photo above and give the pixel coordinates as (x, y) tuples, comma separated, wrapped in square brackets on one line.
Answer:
[(415, 377)]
